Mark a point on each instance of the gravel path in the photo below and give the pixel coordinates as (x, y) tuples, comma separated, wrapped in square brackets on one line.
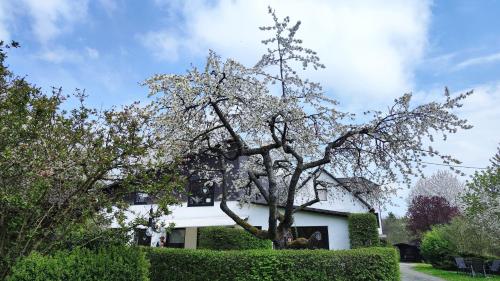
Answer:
[(408, 274)]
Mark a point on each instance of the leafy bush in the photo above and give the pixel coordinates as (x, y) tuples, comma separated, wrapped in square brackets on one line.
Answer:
[(363, 230), (224, 238), (437, 249), (459, 238), (114, 263), (93, 237), (291, 265)]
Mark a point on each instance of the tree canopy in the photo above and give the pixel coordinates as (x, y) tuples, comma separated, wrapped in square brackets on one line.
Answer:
[(56, 165), (443, 183), (395, 229), (427, 211), (286, 127), (482, 198)]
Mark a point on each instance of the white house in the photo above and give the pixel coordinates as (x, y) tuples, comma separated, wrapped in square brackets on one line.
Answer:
[(329, 216)]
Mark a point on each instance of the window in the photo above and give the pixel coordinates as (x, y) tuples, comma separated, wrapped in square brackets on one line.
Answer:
[(321, 189), (141, 238), (322, 193), (307, 231), (141, 198), (201, 194), (176, 238)]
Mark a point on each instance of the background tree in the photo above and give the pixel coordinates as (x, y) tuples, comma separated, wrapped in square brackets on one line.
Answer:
[(482, 199), (56, 166), (424, 212), (444, 184), (395, 229), (286, 128)]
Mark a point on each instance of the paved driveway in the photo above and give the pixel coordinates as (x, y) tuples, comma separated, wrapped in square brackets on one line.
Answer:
[(408, 274)]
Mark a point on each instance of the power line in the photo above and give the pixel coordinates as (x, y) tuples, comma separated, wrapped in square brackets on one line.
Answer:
[(456, 166)]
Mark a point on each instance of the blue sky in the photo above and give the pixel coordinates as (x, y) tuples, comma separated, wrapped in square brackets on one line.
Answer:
[(373, 50)]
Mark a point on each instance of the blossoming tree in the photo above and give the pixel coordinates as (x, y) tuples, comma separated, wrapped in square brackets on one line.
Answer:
[(286, 128)]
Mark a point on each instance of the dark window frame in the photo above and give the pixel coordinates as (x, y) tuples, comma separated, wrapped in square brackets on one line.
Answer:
[(143, 201), (322, 189), (168, 244), (209, 195), (325, 239)]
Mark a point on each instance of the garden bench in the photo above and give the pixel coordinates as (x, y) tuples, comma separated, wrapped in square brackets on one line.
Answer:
[(495, 267), (478, 267), (462, 266)]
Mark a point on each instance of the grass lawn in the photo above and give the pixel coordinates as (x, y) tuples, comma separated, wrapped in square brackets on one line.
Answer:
[(450, 275)]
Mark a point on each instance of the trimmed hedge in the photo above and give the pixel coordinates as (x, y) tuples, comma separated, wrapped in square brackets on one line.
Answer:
[(363, 230), (377, 264), (114, 263), (224, 238)]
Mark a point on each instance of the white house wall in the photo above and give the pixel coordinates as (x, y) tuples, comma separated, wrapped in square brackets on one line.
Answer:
[(257, 215), (338, 233), (338, 198)]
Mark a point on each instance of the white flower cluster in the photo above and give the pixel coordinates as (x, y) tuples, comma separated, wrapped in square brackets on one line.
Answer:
[(285, 127)]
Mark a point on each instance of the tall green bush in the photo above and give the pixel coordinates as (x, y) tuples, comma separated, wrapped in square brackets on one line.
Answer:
[(374, 264), (224, 238), (114, 263), (437, 249), (363, 230)]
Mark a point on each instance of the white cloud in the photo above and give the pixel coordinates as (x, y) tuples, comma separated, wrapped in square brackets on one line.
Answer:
[(6, 13), (60, 54), (476, 146), (163, 45), (473, 147), (92, 53), (50, 18), (477, 61), (370, 48), (109, 6)]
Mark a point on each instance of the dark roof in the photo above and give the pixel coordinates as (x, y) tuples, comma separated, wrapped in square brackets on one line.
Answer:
[(313, 210), (413, 243)]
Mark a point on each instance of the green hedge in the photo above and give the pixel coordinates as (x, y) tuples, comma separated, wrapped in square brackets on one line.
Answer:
[(363, 230), (377, 264), (224, 238), (114, 263)]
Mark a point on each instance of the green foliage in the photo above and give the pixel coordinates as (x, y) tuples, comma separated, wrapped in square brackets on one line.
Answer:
[(395, 229), (363, 230), (94, 236), (224, 238), (437, 249), (459, 238), (375, 264), (113, 263), (482, 200), (56, 165)]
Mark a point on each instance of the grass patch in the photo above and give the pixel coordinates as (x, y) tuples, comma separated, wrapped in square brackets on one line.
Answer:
[(450, 275)]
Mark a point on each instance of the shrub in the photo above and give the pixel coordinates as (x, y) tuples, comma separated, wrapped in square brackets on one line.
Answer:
[(363, 230), (290, 265), (224, 238), (437, 249), (114, 263), (94, 237), (459, 238)]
